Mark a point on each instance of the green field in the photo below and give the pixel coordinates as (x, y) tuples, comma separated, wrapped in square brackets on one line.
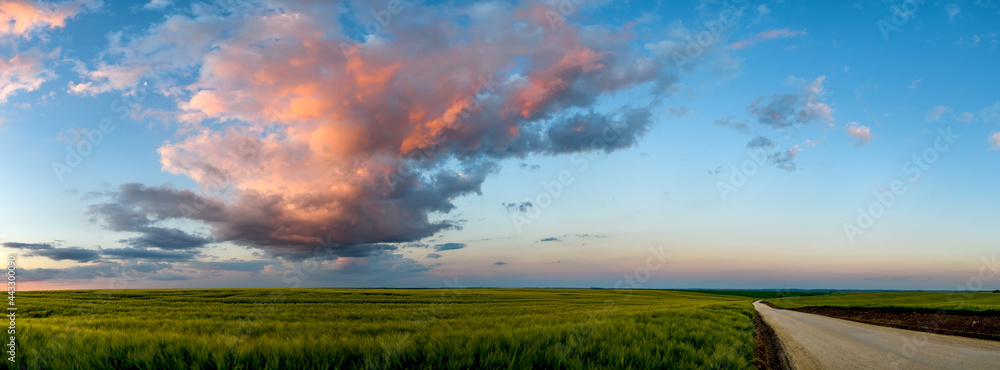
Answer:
[(958, 301), (383, 328), (762, 294)]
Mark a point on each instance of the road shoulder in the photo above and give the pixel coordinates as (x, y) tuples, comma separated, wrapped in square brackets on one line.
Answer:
[(768, 352)]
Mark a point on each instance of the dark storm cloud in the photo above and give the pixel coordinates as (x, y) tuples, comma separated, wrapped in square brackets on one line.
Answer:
[(55, 253), (136, 208), (165, 238), (89, 272)]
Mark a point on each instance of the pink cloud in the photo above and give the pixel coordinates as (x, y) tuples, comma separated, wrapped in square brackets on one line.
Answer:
[(365, 146), (862, 134), (764, 36), (24, 72), (20, 20), (995, 140), (21, 17)]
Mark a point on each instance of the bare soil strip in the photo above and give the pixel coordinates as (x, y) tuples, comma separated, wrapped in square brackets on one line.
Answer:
[(959, 323)]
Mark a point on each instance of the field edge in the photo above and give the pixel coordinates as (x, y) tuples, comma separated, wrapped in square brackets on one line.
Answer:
[(769, 354)]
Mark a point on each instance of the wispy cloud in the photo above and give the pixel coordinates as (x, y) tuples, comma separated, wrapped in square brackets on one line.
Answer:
[(449, 246), (157, 4), (936, 112), (786, 160), (783, 111), (953, 10), (766, 35)]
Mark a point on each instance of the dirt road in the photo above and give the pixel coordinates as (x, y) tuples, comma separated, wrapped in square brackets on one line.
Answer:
[(820, 342)]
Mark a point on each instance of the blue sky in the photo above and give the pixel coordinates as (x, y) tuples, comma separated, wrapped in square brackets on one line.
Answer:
[(255, 113)]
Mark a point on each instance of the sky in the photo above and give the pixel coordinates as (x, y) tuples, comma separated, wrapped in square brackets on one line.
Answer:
[(537, 143)]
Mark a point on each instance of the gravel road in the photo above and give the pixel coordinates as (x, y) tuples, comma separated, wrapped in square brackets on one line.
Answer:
[(820, 342)]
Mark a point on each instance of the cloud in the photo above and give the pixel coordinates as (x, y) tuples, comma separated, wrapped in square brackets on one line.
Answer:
[(965, 117), (761, 142), (913, 85), (448, 246), (935, 113), (990, 114), (313, 134), (861, 133), (995, 140), (22, 20), (22, 17), (167, 277), (715, 171), (713, 55), (682, 112), (530, 166), (24, 72), (764, 36), (118, 270), (433, 255), (786, 160), (133, 253), (517, 207), (500, 263), (763, 10), (157, 4), (730, 122), (551, 239), (131, 211), (786, 110), (580, 132), (231, 265), (388, 266), (165, 238), (50, 251), (953, 10)]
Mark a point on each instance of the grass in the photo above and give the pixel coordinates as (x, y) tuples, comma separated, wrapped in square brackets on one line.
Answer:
[(958, 301), (383, 328)]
